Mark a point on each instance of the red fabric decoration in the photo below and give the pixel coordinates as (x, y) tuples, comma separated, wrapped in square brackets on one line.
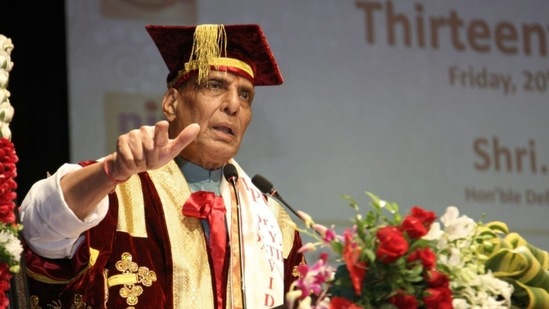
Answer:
[(207, 205)]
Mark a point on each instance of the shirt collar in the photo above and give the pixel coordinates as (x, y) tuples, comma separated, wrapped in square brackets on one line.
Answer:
[(198, 177)]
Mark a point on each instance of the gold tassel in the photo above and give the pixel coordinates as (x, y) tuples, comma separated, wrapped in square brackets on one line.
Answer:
[(210, 41)]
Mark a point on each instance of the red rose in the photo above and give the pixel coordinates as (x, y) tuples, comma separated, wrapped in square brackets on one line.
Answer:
[(427, 217), (5, 283), (342, 303), (4, 300), (7, 214), (403, 301), (392, 244), (439, 298), (418, 222), (413, 227), (437, 279), (427, 257)]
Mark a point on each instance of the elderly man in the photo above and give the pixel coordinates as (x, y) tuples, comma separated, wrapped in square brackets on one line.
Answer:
[(169, 220)]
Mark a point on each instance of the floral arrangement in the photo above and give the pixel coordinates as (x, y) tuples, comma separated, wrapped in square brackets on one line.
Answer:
[(10, 245), (386, 260)]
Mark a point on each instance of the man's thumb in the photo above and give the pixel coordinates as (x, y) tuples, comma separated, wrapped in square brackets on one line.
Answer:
[(186, 136)]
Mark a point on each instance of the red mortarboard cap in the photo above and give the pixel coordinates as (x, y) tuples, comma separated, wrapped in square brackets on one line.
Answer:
[(241, 49)]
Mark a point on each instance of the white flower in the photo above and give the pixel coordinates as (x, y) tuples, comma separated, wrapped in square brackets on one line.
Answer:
[(473, 287), (5, 131), (6, 111), (15, 248), (455, 226), (11, 243), (455, 257), (4, 95), (5, 43), (460, 303), (6, 47), (434, 232), (4, 77)]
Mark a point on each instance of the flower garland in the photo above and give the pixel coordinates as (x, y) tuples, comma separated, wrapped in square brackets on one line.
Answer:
[(419, 261), (10, 245)]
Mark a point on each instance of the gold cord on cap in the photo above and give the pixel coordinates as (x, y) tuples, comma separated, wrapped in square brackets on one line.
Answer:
[(210, 41), (210, 49)]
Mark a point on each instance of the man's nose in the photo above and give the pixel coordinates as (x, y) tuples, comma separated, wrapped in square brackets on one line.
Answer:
[(231, 104)]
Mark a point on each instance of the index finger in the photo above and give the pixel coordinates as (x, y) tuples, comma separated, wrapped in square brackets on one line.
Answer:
[(161, 133)]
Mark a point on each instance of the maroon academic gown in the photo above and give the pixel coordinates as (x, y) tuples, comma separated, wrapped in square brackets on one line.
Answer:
[(118, 269)]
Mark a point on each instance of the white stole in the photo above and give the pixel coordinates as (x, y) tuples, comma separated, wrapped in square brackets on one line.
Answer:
[(262, 242)]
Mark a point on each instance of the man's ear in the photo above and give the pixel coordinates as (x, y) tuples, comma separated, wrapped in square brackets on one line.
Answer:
[(169, 103)]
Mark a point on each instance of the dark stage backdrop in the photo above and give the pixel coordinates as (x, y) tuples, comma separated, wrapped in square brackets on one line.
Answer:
[(38, 87)]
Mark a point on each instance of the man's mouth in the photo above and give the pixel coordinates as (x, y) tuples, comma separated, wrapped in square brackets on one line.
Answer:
[(224, 129)]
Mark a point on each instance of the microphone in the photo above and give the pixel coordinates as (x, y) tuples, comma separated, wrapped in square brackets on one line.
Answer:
[(267, 187), (231, 175)]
